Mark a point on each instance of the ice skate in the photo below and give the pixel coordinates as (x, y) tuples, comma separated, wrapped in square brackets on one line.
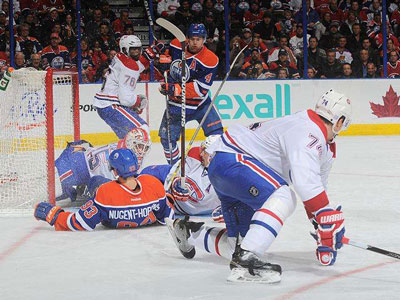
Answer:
[(180, 231), (248, 267)]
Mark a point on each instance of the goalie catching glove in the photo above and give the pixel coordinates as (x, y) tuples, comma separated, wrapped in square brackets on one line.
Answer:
[(178, 192), (47, 212), (151, 52), (329, 225)]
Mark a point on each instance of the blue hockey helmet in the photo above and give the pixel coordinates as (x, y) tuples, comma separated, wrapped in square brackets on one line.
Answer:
[(197, 30), (125, 162)]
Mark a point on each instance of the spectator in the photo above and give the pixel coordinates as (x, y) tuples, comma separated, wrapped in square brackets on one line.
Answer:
[(247, 70), (266, 28), (108, 15), (106, 38), (329, 41), (355, 8), (128, 29), (346, 28), (246, 37), (283, 62), (257, 43), (326, 22), (236, 19), (253, 16), (166, 9), (4, 61), (208, 6), (282, 73), (355, 39), (372, 53), (68, 29), (393, 65), (347, 72), (390, 46), (184, 16), (19, 60), (102, 70), (235, 48), (98, 56), (296, 42), (55, 55), (311, 72), (286, 25), (372, 71), (360, 65), (3, 21), (259, 72), (332, 68), (57, 4), (93, 26), (34, 26), (87, 67), (23, 37), (48, 23), (35, 62), (342, 54), (316, 56), (219, 6), (212, 32), (335, 12), (5, 40), (283, 45), (314, 26)]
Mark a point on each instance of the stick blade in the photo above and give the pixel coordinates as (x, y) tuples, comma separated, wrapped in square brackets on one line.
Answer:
[(171, 28)]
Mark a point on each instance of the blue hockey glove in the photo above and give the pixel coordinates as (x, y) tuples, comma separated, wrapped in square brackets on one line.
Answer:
[(172, 90), (329, 233), (180, 193), (47, 212)]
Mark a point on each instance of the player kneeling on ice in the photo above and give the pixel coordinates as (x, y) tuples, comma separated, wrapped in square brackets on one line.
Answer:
[(80, 162), (250, 170), (118, 102), (128, 202), (198, 197)]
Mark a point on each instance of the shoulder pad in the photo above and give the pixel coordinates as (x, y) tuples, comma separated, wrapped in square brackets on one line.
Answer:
[(127, 62), (207, 58)]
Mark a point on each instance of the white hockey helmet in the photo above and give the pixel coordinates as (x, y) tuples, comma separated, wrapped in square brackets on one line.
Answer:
[(209, 140), (332, 106), (128, 41), (139, 142)]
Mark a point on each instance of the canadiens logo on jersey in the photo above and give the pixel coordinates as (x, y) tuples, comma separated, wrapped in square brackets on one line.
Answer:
[(176, 70)]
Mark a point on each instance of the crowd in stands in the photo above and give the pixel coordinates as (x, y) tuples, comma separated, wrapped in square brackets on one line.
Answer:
[(345, 38)]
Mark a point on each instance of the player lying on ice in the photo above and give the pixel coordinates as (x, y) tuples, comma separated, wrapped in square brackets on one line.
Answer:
[(128, 202), (198, 197), (250, 170), (80, 162)]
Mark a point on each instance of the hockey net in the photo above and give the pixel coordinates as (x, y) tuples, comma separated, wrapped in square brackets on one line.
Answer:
[(39, 114)]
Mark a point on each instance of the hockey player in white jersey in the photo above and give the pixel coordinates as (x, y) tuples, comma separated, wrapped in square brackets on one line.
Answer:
[(81, 165), (118, 103), (251, 169), (198, 197)]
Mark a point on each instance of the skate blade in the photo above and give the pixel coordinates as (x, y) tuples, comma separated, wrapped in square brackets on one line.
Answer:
[(262, 276), (170, 225)]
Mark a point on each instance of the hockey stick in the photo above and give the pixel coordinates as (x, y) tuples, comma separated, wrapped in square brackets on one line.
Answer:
[(347, 241), (150, 19), (168, 120), (176, 32), (208, 111)]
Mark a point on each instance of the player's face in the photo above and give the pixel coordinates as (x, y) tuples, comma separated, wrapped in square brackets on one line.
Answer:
[(205, 158), (195, 44), (134, 52)]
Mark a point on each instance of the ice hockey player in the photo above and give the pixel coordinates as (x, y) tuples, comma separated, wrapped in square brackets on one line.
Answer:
[(201, 67), (198, 197), (80, 162), (250, 170), (118, 102), (128, 202)]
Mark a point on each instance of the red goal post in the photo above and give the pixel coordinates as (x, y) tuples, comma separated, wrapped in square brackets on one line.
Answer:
[(39, 114)]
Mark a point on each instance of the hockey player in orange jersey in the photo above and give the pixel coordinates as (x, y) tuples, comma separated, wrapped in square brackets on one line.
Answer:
[(128, 202)]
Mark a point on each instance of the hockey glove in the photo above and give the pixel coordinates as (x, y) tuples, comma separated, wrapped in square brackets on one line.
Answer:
[(141, 104), (330, 230), (151, 52), (47, 212), (217, 215), (180, 193), (173, 90)]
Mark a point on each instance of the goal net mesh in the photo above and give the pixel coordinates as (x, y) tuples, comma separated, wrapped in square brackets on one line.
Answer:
[(24, 137)]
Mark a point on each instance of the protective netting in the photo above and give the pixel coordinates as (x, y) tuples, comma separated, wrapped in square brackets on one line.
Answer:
[(24, 138)]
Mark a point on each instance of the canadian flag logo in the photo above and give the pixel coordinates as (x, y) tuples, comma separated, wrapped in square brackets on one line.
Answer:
[(390, 107)]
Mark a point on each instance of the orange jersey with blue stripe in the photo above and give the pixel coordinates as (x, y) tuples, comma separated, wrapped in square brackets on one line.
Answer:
[(116, 206), (202, 68)]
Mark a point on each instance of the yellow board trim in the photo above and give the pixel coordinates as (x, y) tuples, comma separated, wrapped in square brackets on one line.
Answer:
[(356, 129)]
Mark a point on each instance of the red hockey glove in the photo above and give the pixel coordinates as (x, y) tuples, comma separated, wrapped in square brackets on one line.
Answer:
[(141, 104), (180, 193), (47, 212), (329, 233), (151, 52)]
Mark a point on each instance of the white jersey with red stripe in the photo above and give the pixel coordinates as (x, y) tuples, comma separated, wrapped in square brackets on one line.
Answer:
[(203, 198), (295, 147), (120, 82)]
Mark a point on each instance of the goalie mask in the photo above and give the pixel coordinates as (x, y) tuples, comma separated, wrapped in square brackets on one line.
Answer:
[(139, 142)]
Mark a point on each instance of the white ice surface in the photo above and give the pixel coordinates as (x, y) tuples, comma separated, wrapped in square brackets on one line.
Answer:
[(38, 263)]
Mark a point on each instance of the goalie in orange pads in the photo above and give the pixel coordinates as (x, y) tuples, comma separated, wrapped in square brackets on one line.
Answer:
[(128, 202)]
